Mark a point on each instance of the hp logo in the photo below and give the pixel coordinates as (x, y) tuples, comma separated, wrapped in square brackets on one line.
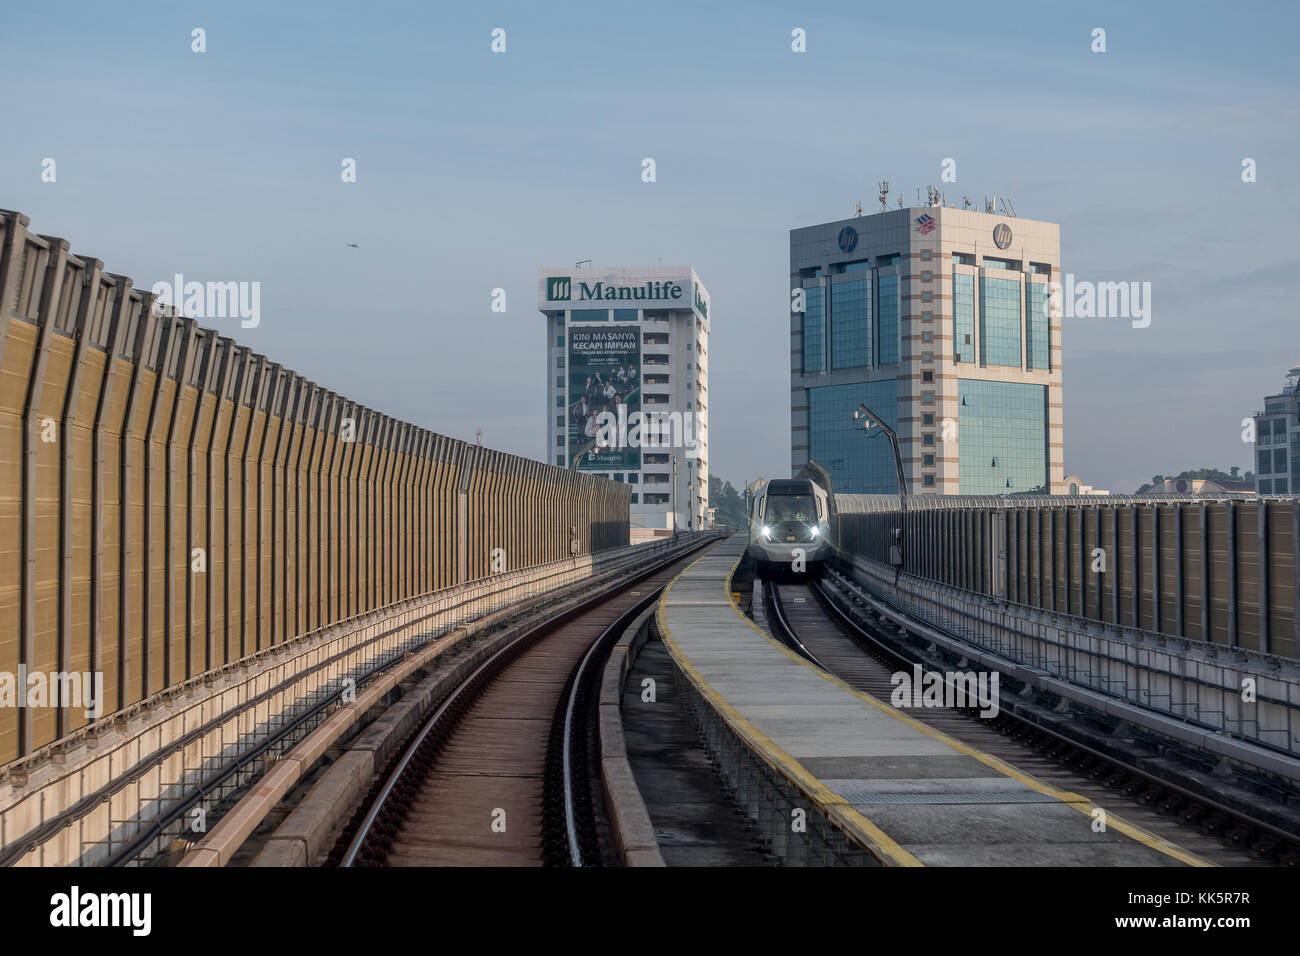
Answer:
[(1002, 235), (848, 239), (558, 289)]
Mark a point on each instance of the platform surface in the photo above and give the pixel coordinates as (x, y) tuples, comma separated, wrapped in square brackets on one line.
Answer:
[(917, 796)]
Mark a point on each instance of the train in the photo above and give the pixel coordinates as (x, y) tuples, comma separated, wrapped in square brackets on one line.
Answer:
[(790, 527)]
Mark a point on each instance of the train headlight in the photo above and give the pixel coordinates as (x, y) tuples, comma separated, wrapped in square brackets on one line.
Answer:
[(767, 532), (816, 531)]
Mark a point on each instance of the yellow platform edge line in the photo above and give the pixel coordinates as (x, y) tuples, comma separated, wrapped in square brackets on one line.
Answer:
[(1073, 800), (883, 847)]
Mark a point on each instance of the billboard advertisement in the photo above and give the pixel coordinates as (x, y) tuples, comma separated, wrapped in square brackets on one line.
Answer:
[(604, 365)]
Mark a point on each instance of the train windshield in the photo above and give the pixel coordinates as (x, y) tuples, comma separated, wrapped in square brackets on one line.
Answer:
[(790, 508)]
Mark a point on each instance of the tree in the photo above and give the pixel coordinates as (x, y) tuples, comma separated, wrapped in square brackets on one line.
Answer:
[(728, 504)]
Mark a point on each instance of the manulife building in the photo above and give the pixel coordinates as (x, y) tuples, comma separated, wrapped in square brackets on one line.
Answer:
[(937, 319), (627, 365)]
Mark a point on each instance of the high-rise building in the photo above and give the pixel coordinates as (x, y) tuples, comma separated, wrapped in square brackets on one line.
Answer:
[(627, 352), (938, 320), (1277, 440)]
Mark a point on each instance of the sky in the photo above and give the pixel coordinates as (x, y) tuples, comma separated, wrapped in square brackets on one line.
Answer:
[(474, 169)]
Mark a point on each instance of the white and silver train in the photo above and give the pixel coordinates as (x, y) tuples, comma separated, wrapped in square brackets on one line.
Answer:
[(790, 526)]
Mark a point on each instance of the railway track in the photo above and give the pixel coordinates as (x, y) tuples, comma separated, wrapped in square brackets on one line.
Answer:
[(501, 774), (807, 619)]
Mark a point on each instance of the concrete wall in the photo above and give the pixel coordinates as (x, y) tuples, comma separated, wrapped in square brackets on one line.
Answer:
[(129, 439)]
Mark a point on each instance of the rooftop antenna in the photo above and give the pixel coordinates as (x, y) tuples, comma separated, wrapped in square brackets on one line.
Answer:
[(900, 202), (579, 264), (918, 196), (932, 197), (857, 208), (965, 202), (478, 436), (883, 186), (988, 204), (1008, 209)]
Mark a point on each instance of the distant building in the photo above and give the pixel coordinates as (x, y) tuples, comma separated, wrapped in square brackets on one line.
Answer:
[(935, 318), (627, 386), (1277, 440), (1074, 486)]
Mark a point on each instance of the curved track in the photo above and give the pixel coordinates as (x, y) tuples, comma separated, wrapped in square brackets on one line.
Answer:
[(501, 773), (804, 617)]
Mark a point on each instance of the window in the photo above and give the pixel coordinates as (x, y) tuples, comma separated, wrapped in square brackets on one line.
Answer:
[(860, 265), (559, 318), (888, 310), (926, 255), (633, 478), (1006, 423), (927, 275), (963, 259), (927, 439), (927, 356), (1037, 325), (559, 381), (851, 324), (890, 260), (1265, 460), (589, 315), (1279, 486), (634, 497), (927, 336), (1279, 460), (559, 402), (559, 361), (927, 418), (927, 398), (928, 460), (926, 297), (1011, 265), (999, 323), (559, 341), (559, 441), (857, 465), (928, 376), (1040, 268), (927, 316), (927, 481), (814, 329), (625, 315), (559, 460), (1266, 486), (559, 421)]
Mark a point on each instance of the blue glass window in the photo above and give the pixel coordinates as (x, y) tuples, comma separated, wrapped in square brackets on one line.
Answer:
[(851, 324), (963, 318), (1003, 429), (888, 311), (862, 265), (1038, 325), (814, 329), (589, 315), (625, 315), (999, 322), (859, 462)]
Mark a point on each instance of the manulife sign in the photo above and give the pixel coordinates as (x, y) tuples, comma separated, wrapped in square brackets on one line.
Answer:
[(563, 289)]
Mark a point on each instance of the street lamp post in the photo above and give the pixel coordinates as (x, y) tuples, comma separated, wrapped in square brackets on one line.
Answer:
[(862, 414)]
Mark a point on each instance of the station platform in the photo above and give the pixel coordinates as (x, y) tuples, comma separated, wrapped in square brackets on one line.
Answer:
[(910, 794)]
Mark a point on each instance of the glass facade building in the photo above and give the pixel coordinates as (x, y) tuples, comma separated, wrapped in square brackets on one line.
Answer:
[(914, 317)]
